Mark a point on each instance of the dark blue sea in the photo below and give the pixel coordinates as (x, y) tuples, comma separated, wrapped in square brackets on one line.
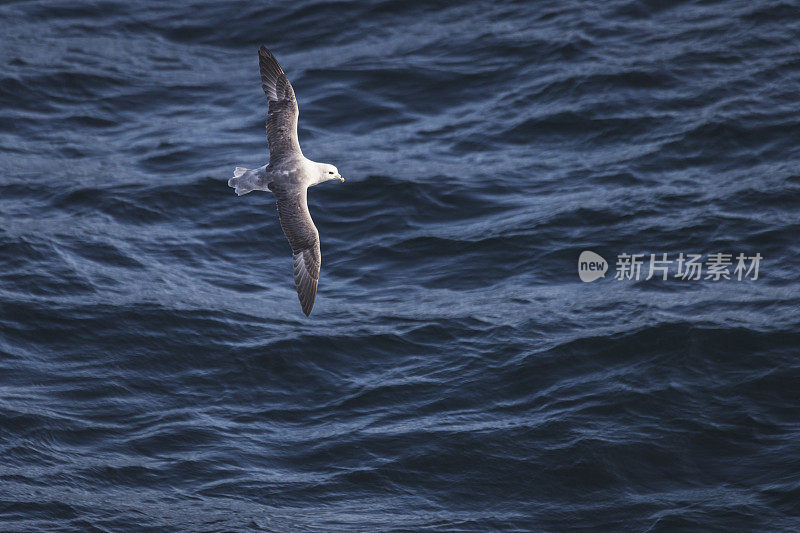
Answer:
[(456, 373)]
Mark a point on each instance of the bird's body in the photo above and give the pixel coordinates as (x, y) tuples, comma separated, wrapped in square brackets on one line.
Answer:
[(288, 175)]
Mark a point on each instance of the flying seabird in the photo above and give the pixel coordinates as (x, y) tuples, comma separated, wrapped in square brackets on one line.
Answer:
[(288, 175)]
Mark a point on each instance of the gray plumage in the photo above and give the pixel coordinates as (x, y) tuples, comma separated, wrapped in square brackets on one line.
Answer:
[(288, 175), (283, 112)]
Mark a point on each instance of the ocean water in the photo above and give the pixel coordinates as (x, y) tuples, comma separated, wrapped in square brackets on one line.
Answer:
[(157, 373)]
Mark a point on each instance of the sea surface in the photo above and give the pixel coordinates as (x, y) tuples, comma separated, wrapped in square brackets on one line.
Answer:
[(156, 370)]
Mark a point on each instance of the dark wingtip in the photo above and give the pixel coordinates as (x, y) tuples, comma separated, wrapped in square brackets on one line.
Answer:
[(263, 51), (268, 63), (305, 304)]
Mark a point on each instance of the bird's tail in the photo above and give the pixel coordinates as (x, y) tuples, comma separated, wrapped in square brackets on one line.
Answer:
[(243, 180)]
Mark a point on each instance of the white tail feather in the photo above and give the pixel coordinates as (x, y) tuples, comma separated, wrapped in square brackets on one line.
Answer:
[(244, 180)]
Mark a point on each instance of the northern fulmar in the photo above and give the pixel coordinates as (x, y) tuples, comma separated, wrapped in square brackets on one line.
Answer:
[(288, 175)]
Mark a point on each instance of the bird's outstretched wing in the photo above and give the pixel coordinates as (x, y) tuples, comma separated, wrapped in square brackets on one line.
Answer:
[(304, 239), (282, 118)]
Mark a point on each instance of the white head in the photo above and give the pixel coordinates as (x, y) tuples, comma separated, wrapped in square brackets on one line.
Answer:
[(328, 172)]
